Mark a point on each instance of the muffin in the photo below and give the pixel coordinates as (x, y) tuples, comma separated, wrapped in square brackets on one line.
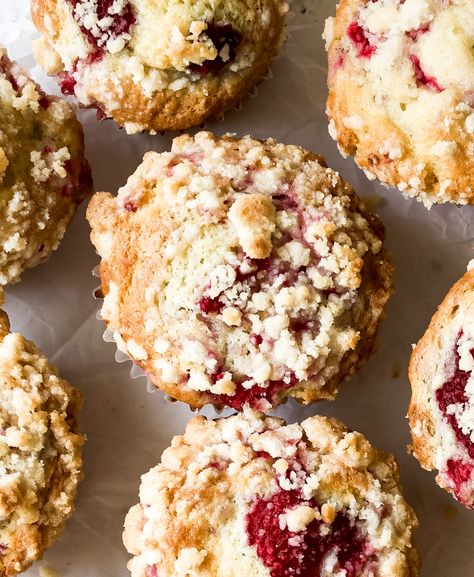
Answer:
[(43, 173), (158, 65), (40, 452), (401, 94), (249, 495), (442, 406), (239, 272)]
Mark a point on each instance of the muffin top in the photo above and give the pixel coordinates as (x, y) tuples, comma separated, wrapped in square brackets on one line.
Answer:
[(401, 77), (158, 65), (240, 271), (43, 174), (40, 451), (442, 406), (249, 495)]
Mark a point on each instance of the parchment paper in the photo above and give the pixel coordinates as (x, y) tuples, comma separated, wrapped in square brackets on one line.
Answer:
[(128, 427)]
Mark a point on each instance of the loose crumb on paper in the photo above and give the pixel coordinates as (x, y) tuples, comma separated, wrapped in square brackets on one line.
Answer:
[(48, 572)]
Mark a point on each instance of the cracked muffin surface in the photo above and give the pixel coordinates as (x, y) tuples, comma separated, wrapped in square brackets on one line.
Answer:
[(40, 452), (400, 93), (250, 495), (442, 406), (43, 173), (158, 65), (238, 272)]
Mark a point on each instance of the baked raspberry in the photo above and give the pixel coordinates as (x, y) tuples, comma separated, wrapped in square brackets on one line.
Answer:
[(341, 513), (130, 206), (256, 340), (287, 553), (67, 83), (360, 40), (421, 78), (460, 473), (277, 288), (208, 305), (415, 33), (453, 392), (226, 40), (257, 397)]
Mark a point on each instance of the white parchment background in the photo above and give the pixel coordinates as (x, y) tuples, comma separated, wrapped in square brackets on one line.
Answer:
[(127, 427)]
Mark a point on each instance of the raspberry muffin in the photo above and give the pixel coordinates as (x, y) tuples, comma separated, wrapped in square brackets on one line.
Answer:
[(401, 98), (442, 405), (40, 452), (240, 272), (158, 65), (249, 495), (43, 174)]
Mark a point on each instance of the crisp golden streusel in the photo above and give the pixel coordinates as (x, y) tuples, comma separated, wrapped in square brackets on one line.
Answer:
[(400, 94), (442, 405), (158, 65), (249, 495), (239, 272), (43, 174), (40, 452)]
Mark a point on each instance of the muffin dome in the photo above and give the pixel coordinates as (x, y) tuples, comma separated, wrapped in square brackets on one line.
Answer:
[(43, 173), (239, 272), (158, 65), (401, 77), (250, 495)]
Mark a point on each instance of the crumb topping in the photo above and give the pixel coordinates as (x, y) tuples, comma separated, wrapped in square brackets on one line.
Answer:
[(106, 23), (324, 501), (258, 286)]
